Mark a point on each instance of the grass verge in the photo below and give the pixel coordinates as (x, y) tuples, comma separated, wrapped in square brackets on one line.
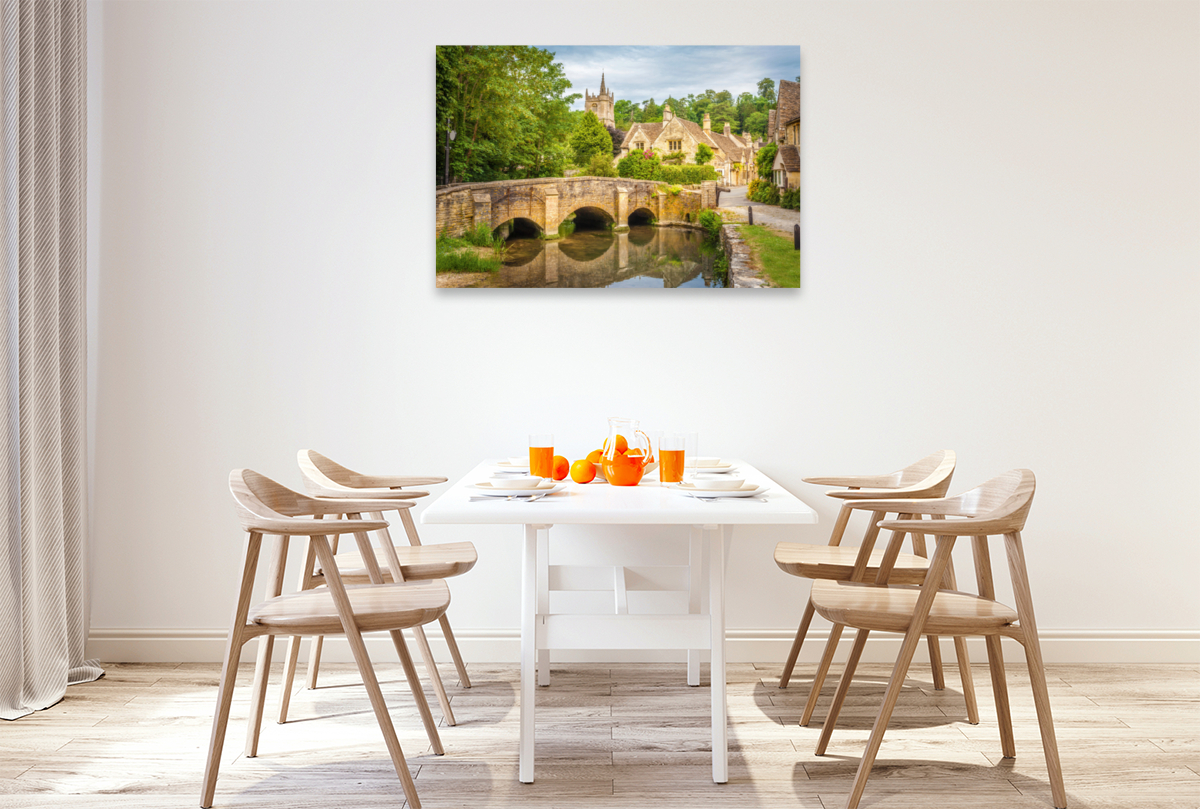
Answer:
[(460, 255), (774, 254)]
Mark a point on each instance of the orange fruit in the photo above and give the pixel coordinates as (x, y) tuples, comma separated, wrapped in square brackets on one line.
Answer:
[(583, 471), (595, 455), (623, 470), (634, 451), (560, 467), (622, 444)]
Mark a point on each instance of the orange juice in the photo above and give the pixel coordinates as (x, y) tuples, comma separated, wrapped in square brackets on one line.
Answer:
[(541, 461), (670, 465)]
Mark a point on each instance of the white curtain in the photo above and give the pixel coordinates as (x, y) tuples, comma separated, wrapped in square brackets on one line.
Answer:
[(43, 496)]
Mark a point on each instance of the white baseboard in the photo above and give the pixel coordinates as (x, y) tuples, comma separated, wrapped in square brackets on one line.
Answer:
[(742, 646)]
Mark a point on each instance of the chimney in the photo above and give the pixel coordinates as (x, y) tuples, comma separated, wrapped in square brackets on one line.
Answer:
[(668, 116), (707, 123), (726, 129)]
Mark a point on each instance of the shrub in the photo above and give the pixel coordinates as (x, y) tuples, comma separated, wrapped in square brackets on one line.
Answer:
[(686, 175), (674, 190), (481, 236), (711, 221), (704, 154), (639, 166), (790, 199), (674, 158), (600, 165), (764, 192)]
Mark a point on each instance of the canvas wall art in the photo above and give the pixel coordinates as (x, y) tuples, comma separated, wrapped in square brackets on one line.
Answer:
[(667, 167)]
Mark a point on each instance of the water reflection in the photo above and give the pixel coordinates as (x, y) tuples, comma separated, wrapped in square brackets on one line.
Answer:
[(645, 256)]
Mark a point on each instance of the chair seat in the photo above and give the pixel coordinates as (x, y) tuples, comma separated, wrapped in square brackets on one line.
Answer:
[(417, 562), (376, 607), (889, 608), (837, 563)]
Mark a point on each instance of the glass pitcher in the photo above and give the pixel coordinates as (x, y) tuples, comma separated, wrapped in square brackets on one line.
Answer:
[(628, 453)]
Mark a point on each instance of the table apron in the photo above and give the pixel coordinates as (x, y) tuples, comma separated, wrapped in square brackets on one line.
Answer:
[(624, 632)]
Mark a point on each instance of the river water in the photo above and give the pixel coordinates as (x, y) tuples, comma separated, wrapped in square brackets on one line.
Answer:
[(645, 256)]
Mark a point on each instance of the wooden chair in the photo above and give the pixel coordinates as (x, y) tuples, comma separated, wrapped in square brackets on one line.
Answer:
[(264, 507), (406, 563), (998, 507), (928, 477)]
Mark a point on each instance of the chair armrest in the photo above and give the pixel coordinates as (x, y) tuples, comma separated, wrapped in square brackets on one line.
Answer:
[(949, 528), (360, 494), (308, 528), (855, 481), (915, 505), (348, 505), (879, 494), (397, 481)]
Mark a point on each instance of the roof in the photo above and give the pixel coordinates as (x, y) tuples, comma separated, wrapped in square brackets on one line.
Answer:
[(771, 125), (788, 102), (789, 157), (650, 131)]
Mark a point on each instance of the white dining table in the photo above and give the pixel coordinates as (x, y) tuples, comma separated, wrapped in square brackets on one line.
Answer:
[(597, 503)]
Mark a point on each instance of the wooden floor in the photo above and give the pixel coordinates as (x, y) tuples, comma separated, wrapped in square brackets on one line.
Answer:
[(610, 736)]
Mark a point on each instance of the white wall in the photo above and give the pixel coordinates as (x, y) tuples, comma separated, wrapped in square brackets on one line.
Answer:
[(1001, 206)]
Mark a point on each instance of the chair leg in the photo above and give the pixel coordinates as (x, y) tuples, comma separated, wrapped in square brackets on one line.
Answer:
[(1037, 669), (220, 722), (835, 634), (314, 661), (258, 694), (262, 666), (1008, 742), (414, 684), (233, 651), (464, 679), (289, 676), (860, 643), (434, 676), (367, 671), (935, 662), (968, 682), (790, 663)]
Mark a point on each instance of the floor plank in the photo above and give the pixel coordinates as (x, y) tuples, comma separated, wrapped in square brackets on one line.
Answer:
[(610, 736)]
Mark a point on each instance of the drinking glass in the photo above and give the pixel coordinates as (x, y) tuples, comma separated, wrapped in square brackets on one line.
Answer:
[(671, 455), (541, 455)]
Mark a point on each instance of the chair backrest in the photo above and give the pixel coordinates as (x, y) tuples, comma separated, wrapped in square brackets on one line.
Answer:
[(935, 468), (321, 472), (1003, 501), (260, 500), (928, 477)]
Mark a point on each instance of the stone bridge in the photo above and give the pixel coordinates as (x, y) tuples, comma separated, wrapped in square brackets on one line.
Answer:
[(548, 201)]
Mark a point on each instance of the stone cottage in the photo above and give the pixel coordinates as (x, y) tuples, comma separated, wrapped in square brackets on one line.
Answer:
[(733, 155), (784, 128)]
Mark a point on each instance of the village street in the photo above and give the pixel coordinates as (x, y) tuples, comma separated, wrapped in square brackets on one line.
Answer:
[(781, 219)]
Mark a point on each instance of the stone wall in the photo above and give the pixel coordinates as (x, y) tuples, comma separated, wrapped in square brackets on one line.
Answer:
[(741, 272)]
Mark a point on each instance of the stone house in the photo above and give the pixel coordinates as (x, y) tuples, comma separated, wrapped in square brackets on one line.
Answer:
[(784, 128), (733, 155)]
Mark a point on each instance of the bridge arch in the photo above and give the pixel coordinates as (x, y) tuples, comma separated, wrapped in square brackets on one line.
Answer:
[(641, 216), (517, 226), (547, 201)]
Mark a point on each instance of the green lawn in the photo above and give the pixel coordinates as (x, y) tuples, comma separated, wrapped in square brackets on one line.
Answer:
[(774, 254)]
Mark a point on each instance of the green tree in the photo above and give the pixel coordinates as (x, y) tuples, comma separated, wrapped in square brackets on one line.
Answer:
[(756, 124), (623, 112), (703, 154), (509, 107), (766, 90), (637, 166), (765, 159), (590, 138)]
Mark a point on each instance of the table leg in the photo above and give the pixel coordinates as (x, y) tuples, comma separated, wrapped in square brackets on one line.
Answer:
[(529, 562), (543, 599), (695, 565), (716, 607)]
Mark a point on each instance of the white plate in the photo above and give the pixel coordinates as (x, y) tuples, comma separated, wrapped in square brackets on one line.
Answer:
[(709, 470), (747, 490), (509, 466), (708, 465), (498, 489)]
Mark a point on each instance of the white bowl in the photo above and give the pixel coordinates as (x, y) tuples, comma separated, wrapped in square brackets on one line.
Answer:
[(518, 482), (700, 463), (519, 461), (722, 483)]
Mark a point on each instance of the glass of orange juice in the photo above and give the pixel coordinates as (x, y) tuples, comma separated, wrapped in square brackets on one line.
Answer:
[(541, 455), (671, 448)]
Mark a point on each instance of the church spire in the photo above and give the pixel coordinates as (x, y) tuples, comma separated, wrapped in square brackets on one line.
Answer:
[(602, 84)]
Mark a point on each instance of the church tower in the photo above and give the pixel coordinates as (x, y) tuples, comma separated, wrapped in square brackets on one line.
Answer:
[(601, 104)]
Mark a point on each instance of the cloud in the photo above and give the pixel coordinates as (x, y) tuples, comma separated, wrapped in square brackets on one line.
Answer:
[(639, 73)]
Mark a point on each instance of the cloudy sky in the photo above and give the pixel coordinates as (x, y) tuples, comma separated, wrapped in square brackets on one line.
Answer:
[(639, 73)]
